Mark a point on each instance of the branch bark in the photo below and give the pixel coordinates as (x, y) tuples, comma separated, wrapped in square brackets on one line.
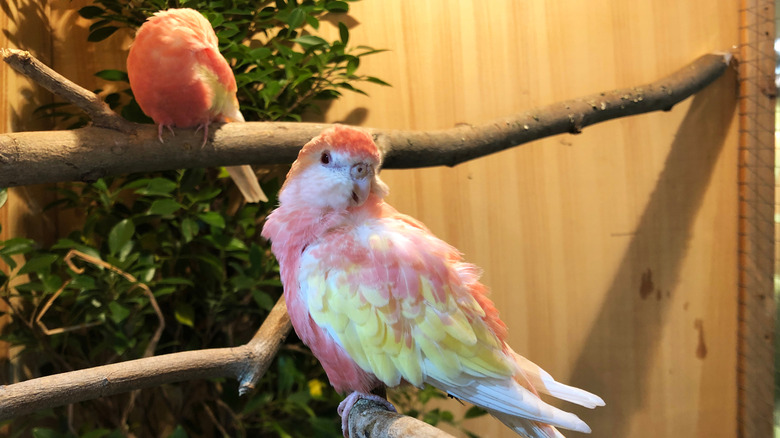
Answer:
[(113, 146), (246, 363), (369, 419)]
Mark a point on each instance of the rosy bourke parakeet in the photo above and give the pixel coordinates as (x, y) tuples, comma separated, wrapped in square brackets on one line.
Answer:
[(180, 79), (381, 300)]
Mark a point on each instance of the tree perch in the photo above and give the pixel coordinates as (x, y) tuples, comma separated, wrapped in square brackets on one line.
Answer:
[(369, 419), (246, 363), (113, 146)]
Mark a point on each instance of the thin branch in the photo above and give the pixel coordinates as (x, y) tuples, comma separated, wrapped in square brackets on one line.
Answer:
[(89, 102), (93, 152), (246, 363)]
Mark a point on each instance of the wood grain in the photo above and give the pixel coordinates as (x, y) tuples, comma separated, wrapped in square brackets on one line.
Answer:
[(611, 254), (24, 23), (756, 219)]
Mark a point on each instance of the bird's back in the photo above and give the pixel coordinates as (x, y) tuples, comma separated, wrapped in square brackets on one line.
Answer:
[(176, 71)]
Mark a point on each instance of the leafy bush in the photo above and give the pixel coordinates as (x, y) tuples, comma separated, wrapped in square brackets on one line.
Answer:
[(186, 239)]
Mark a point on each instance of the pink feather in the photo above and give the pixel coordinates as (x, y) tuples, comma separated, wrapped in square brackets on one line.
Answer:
[(180, 79)]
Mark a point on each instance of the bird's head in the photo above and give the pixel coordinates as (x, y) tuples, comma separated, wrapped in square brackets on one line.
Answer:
[(335, 170)]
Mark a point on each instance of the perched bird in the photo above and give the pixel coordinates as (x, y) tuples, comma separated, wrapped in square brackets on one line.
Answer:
[(180, 79), (381, 300)]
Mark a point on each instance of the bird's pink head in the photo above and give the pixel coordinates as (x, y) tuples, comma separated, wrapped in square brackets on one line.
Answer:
[(335, 170), (172, 21)]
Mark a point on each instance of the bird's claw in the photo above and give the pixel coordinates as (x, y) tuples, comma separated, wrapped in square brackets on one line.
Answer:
[(346, 406)]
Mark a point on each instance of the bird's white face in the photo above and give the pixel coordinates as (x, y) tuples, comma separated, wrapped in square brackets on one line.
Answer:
[(333, 180)]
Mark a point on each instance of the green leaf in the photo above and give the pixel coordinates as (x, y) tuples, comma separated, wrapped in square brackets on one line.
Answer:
[(101, 33), (96, 433), (262, 299), (157, 187), (90, 12), (3, 196), (179, 432), (352, 65), (118, 312), (309, 41), (119, 243), (176, 280), (343, 32), (474, 412), (337, 6), (235, 244), (185, 314), (164, 207), (431, 417), (189, 229), (113, 75), (213, 218), (296, 18), (42, 432), (377, 81), (260, 53), (16, 245), (37, 263)]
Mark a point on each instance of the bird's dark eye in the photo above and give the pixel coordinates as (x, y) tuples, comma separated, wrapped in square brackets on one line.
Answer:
[(325, 158)]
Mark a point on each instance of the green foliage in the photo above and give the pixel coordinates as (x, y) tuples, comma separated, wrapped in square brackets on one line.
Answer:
[(186, 239), (281, 68), (214, 279)]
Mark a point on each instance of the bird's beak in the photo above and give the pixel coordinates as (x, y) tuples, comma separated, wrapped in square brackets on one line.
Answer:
[(362, 175)]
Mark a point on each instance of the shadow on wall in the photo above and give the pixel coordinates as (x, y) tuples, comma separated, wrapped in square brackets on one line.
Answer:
[(652, 264)]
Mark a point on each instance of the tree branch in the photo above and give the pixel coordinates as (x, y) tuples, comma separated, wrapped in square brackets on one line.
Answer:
[(369, 419), (89, 102), (115, 147), (246, 363)]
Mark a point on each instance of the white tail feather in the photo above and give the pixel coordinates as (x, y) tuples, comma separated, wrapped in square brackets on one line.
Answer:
[(511, 403), (543, 382), (246, 180), (528, 428)]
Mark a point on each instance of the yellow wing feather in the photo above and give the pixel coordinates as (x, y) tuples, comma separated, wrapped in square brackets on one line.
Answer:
[(393, 333)]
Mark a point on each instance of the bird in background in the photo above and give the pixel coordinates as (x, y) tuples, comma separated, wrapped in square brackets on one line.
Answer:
[(380, 300), (179, 78)]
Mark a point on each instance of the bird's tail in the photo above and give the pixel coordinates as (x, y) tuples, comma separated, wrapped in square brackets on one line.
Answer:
[(527, 428), (246, 180), (543, 382), (243, 176)]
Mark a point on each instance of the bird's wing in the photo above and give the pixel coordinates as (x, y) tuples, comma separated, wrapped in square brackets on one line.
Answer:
[(404, 305), (394, 297)]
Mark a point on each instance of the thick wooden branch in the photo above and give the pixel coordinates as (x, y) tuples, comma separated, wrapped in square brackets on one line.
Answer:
[(369, 419), (111, 148), (246, 363)]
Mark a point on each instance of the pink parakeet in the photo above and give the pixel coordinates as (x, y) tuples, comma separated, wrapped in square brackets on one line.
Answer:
[(381, 300), (180, 79)]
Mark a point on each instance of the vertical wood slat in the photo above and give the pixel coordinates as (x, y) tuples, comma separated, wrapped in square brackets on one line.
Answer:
[(756, 221)]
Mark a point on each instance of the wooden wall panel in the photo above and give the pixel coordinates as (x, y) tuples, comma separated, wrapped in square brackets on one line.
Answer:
[(611, 254), (25, 26)]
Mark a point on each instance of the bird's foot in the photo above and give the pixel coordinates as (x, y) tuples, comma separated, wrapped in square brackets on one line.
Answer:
[(205, 128), (346, 406), (160, 130)]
